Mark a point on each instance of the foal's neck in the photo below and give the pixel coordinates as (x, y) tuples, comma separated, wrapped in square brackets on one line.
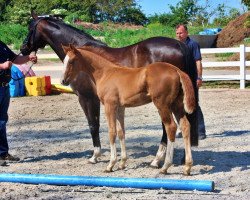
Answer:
[(97, 65)]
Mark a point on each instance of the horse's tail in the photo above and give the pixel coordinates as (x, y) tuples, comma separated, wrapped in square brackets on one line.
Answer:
[(188, 92)]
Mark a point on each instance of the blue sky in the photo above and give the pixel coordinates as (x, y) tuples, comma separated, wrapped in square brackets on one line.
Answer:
[(150, 7)]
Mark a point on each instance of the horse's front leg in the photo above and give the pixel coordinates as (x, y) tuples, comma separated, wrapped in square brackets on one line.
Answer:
[(110, 111), (121, 135), (91, 107)]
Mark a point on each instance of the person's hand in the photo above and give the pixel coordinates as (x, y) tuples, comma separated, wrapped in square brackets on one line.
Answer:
[(6, 65), (33, 58), (199, 83)]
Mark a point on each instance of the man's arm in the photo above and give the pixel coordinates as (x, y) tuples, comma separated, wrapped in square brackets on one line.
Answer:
[(24, 59), (199, 73)]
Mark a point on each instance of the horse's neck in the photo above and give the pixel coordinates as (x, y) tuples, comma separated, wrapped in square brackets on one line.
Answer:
[(55, 38)]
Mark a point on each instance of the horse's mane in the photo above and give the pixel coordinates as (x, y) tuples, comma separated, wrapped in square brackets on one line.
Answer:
[(60, 24), (102, 51)]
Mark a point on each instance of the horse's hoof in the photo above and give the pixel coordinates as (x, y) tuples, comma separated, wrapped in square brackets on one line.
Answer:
[(154, 165), (92, 161)]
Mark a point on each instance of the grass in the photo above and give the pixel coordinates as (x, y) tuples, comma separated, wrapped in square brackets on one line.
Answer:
[(224, 84)]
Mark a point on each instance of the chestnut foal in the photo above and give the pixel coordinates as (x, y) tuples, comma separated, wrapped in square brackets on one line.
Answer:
[(118, 87)]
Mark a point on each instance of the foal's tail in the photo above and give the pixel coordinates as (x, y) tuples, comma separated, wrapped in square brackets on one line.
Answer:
[(188, 92)]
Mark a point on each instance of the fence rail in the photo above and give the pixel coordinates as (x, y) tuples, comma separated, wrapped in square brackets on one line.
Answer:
[(242, 64)]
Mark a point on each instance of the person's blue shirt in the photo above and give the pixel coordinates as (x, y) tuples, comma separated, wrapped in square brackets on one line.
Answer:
[(194, 48)]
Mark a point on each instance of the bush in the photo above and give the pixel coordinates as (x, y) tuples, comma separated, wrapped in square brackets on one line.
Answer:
[(13, 34)]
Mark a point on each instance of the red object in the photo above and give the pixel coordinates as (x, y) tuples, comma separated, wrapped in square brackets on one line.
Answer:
[(47, 85)]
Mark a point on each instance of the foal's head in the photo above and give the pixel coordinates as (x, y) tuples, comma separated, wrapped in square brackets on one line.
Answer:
[(71, 62)]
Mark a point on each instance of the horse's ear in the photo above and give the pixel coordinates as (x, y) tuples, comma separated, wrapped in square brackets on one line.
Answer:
[(33, 14)]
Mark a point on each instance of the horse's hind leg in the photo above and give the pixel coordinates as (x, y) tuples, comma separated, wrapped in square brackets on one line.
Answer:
[(170, 126), (160, 154), (161, 150), (121, 135)]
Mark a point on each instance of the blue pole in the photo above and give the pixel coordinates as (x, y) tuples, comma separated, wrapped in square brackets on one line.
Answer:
[(144, 183)]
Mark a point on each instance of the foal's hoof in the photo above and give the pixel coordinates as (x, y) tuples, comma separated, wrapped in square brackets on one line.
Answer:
[(186, 173), (108, 170), (121, 167), (163, 171)]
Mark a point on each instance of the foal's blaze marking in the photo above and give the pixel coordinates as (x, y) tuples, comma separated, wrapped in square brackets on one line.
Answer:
[(165, 85)]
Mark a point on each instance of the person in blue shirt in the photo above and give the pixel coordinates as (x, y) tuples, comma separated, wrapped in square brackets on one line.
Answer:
[(182, 35), (7, 57)]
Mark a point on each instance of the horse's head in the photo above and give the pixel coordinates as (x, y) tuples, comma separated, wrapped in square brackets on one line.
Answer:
[(71, 63), (34, 39)]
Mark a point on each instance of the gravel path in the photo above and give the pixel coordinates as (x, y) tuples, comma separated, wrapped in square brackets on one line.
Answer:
[(51, 136)]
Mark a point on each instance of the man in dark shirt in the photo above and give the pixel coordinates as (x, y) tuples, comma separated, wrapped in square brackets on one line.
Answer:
[(182, 35), (7, 57)]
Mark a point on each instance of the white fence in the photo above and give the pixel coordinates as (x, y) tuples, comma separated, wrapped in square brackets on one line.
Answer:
[(242, 64)]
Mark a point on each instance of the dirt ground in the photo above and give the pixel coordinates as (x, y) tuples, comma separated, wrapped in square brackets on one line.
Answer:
[(51, 136)]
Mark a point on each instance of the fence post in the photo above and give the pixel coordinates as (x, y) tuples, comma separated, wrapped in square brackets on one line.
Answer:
[(242, 66)]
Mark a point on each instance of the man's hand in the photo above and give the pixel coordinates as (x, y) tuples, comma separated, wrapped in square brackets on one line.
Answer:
[(6, 65), (199, 82), (33, 58)]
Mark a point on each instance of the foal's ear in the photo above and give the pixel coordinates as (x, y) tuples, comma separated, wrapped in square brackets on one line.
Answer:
[(66, 48), (73, 48)]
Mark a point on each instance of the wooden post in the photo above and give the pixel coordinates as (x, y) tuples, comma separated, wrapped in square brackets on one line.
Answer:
[(242, 66)]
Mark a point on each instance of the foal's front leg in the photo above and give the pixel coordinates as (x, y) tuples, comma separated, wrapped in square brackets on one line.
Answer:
[(110, 111), (121, 135)]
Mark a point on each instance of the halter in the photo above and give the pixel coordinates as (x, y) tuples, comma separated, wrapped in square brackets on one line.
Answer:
[(33, 30), (32, 33)]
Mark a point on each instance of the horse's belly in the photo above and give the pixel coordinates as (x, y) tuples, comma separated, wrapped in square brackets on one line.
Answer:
[(136, 100)]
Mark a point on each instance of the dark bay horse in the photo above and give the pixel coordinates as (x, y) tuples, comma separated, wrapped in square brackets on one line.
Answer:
[(169, 88), (54, 32)]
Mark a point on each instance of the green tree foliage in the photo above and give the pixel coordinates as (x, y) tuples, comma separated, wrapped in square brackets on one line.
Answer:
[(184, 12), (223, 17), (88, 10), (246, 3)]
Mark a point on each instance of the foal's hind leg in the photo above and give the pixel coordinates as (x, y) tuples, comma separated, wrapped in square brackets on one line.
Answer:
[(185, 129)]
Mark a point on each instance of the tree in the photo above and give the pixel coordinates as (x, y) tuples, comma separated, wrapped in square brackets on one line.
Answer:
[(87, 10), (184, 11), (247, 3)]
